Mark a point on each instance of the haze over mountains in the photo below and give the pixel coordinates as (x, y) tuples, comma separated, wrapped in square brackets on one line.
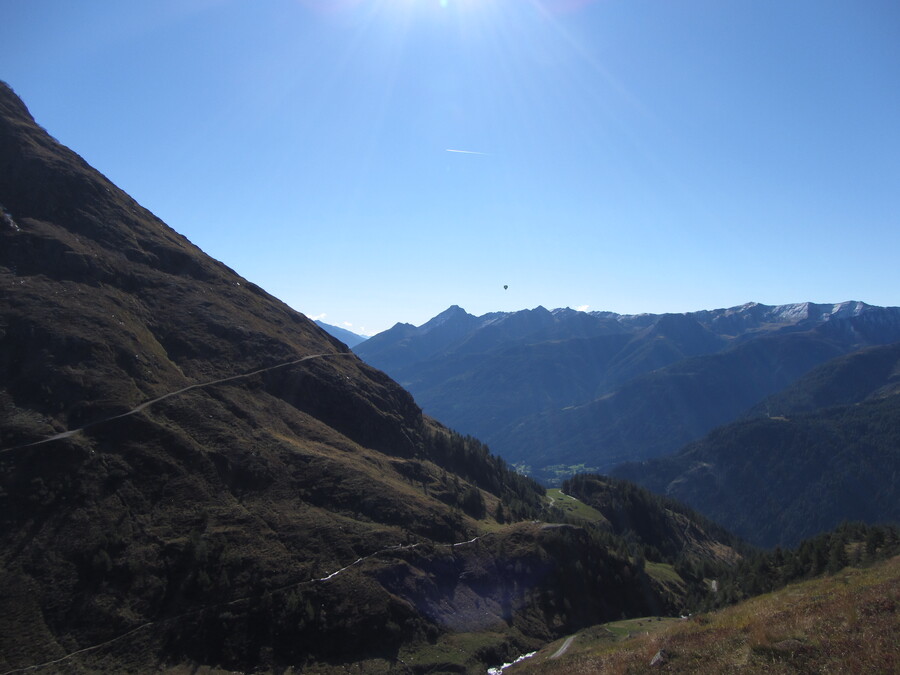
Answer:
[(558, 391), (348, 337)]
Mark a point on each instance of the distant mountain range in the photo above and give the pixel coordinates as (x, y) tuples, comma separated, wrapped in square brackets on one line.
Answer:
[(554, 392), (349, 338)]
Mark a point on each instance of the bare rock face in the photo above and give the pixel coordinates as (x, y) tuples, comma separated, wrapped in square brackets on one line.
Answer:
[(659, 659)]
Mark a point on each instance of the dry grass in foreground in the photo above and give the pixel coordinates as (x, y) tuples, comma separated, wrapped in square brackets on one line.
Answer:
[(846, 623)]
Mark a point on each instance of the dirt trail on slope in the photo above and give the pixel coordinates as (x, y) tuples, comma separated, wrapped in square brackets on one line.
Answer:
[(564, 648), (171, 394)]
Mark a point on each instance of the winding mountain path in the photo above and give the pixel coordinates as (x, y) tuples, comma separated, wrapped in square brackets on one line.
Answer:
[(171, 394), (563, 648)]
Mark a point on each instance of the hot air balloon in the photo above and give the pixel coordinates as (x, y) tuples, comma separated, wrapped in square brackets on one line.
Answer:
[(505, 287)]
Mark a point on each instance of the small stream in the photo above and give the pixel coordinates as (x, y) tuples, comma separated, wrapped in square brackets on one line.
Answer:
[(499, 669)]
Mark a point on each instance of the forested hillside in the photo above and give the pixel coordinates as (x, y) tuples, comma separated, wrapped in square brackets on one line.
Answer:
[(775, 481)]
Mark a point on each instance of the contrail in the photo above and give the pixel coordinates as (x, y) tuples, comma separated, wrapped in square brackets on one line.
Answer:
[(467, 152)]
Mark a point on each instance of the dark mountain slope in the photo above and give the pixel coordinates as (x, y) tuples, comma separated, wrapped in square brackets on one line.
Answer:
[(482, 393), (671, 338), (659, 412), (489, 392), (804, 459), (668, 530), (194, 476), (777, 480), (868, 373)]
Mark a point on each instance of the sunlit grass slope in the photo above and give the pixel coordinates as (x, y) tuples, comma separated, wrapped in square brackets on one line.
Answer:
[(574, 508), (845, 623)]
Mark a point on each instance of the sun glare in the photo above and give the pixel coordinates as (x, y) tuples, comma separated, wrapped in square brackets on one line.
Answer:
[(464, 6), (337, 6)]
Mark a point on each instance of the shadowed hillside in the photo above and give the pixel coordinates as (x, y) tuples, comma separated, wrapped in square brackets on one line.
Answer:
[(822, 451)]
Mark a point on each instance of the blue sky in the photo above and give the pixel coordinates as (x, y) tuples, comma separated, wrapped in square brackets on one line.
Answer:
[(623, 155)]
